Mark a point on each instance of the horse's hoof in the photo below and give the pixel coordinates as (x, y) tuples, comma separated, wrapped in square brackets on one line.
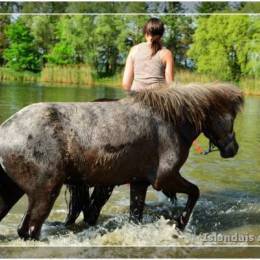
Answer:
[(90, 220), (135, 220), (31, 235), (22, 234), (180, 223), (69, 222)]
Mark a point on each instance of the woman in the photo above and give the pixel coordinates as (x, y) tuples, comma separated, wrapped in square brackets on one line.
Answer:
[(149, 64)]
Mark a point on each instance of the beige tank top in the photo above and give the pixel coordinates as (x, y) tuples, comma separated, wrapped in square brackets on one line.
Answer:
[(149, 71)]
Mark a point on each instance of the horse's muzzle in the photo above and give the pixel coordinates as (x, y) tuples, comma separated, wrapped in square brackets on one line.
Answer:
[(230, 150)]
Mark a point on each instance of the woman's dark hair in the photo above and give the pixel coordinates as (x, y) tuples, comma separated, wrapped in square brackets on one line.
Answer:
[(155, 28)]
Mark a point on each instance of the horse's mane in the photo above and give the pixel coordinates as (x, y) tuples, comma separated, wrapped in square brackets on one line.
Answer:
[(192, 102)]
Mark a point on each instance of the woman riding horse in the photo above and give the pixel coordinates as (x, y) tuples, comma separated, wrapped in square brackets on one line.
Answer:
[(148, 65)]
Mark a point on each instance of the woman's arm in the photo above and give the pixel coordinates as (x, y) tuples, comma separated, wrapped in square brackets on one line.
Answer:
[(169, 67), (128, 72)]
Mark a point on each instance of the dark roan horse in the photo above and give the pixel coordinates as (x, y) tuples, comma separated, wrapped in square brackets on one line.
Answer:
[(143, 139)]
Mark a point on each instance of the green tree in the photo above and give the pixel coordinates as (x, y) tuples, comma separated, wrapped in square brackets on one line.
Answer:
[(62, 53), (22, 53), (42, 28), (43, 7), (210, 7), (74, 34), (105, 49), (222, 46), (250, 7), (4, 21), (252, 49), (178, 34)]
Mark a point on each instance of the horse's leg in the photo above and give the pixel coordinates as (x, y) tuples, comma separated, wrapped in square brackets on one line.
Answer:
[(79, 200), (181, 185), (171, 196), (137, 199), (10, 193), (40, 205), (98, 198)]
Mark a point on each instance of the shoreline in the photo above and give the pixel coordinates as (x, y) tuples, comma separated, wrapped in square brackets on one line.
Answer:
[(182, 77)]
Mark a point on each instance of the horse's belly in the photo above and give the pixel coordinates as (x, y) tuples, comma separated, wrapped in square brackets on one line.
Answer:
[(113, 168)]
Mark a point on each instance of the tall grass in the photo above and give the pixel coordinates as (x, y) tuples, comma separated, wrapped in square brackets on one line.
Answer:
[(7, 74), (114, 81), (67, 74), (250, 86), (82, 75), (184, 77)]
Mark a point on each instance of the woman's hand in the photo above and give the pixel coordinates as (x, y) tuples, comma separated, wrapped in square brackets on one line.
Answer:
[(128, 72)]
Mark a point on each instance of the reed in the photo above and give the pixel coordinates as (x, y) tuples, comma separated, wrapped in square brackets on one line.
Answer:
[(7, 74), (114, 81), (67, 74), (184, 77), (251, 86), (82, 75)]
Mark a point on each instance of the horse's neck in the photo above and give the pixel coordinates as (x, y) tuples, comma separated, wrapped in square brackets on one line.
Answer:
[(188, 133)]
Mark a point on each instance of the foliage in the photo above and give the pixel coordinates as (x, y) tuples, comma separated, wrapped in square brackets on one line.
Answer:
[(21, 53), (225, 46), (42, 28), (210, 7), (250, 7), (4, 21)]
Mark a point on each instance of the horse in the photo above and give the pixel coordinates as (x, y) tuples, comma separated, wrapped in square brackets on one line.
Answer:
[(143, 139), (80, 200)]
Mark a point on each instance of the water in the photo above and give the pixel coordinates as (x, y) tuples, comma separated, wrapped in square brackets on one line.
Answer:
[(229, 204)]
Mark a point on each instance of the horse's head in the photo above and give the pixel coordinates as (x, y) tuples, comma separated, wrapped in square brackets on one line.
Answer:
[(220, 131), (210, 109)]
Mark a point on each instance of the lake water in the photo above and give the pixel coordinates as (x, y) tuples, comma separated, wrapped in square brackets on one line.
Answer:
[(228, 209)]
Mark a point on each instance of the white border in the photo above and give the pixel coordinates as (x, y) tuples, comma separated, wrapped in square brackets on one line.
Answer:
[(135, 14), (132, 14)]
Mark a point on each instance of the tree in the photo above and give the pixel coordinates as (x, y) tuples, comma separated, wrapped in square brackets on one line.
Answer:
[(42, 28), (222, 46), (249, 7), (252, 49), (178, 34), (105, 50), (210, 7), (22, 53), (43, 7), (74, 35), (4, 21)]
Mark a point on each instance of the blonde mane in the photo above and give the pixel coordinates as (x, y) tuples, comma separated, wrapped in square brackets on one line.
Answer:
[(192, 102)]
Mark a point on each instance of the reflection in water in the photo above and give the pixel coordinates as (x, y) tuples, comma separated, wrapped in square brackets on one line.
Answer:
[(230, 188)]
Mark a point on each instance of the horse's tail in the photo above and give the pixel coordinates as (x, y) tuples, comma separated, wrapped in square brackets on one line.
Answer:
[(10, 193), (78, 201)]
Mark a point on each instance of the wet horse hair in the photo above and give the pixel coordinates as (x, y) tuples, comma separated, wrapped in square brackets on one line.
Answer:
[(192, 102)]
